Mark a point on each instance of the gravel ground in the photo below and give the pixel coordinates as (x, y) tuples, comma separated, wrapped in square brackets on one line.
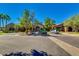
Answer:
[(11, 43)]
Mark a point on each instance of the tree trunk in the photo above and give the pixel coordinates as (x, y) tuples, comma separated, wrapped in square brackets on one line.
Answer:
[(2, 24), (6, 24)]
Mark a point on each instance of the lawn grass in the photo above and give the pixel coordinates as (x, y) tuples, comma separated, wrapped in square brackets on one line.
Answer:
[(74, 33), (1, 33)]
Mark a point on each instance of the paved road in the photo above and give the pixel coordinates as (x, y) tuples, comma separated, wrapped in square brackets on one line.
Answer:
[(13, 43), (69, 39)]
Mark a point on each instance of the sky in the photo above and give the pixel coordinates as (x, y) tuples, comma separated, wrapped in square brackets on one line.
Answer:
[(57, 11)]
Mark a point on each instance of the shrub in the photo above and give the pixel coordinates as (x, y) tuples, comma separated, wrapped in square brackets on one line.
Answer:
[(5, 30)]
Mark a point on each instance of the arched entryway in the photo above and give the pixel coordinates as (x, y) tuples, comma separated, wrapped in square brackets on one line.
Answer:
[(69, 29)]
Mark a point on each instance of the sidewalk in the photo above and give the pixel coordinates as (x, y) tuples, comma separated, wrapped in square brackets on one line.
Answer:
[(69, 34)]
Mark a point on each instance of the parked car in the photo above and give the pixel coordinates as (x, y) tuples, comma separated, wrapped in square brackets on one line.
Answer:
[(35, 33), (29, 33), (43, 32), (40, 32), (55, 31)]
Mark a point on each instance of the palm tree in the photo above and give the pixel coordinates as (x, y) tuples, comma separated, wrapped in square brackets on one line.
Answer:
[(0, 20), (6, 18)]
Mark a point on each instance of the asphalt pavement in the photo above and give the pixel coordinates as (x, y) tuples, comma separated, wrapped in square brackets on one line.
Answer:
[(14, 43), (72, 40)]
